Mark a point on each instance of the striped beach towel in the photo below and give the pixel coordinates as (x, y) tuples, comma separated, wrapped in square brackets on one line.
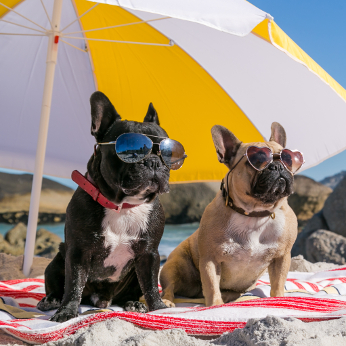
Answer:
[(308, 297)]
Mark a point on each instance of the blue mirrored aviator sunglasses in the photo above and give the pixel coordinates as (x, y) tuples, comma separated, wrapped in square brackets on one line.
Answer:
[(135, 147)]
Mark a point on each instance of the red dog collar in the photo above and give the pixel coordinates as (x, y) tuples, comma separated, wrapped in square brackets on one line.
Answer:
[(95, 193)]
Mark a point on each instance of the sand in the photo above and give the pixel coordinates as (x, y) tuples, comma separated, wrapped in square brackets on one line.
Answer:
[(275, 331), (11, 267), (269, 331), (118, 332)]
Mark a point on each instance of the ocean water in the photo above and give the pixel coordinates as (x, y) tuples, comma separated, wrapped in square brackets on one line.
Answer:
[(172, 236)]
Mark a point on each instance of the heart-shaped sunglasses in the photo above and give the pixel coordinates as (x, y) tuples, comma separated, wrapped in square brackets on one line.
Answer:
[(261, 157), (135, 147)]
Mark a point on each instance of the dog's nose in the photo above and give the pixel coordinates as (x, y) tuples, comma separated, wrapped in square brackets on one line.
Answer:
[(276, 166), (153, 162)]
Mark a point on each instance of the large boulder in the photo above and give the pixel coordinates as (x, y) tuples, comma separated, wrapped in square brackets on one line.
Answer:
[(326, 246), (185, 203), (334, 210), (46, 244), (15, 193), (308, 198), (315, 223)]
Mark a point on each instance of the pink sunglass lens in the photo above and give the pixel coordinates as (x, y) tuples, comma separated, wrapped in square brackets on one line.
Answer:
[(293, 160), (259, 157)]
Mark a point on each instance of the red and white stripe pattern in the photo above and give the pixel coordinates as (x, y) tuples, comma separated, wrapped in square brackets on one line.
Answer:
[(308, 297)]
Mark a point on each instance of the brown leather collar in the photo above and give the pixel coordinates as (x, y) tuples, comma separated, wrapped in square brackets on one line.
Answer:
[(229, 203), (89, 186)]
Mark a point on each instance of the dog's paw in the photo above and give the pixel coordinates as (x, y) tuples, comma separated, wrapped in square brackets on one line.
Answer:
[(168, 303), (62, 316), (135, 307), (99, 302), (48, 303)]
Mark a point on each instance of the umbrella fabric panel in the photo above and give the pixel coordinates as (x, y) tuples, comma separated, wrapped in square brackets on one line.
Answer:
[(22, 74), (282, 41), (9, 3), (189, 102), (268, 85), (236, 17)]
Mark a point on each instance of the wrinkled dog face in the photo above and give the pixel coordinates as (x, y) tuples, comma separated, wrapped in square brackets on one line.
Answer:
[(273, 183), (142, 180), (254, 187)]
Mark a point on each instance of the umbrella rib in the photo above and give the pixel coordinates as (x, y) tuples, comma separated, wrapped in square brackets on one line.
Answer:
[(45, 10), (170, 44), (79, 17), (8, 33), (23, 26), (10, 9), (116, 26), (82, 50)]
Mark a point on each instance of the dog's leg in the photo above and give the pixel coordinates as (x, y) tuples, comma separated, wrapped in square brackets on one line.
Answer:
[(167, 280), (168, 296), (75, 279), (147, 268), (278, 271), (168, 277), (229, 296), (54, 284), (210, 275), (127, 293), (180, 276)]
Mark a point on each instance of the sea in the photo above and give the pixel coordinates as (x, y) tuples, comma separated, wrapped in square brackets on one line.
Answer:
[(173, 235)]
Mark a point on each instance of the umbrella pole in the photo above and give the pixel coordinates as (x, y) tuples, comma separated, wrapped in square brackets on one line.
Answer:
[(52, 54)]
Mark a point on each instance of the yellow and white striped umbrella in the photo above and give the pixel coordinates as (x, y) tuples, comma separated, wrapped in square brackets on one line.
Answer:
[(207, 77), (179, 55)]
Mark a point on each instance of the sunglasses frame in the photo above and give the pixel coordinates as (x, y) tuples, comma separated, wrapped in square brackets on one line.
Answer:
[(275, 156), (149, 152)]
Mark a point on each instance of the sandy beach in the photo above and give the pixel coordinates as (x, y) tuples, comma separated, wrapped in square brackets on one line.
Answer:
[(268, 331)]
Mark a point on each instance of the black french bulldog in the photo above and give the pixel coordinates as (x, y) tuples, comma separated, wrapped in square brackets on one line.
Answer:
[(112, 257)]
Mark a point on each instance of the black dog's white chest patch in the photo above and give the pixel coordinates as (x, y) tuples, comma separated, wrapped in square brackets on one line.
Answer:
[(120, 230)]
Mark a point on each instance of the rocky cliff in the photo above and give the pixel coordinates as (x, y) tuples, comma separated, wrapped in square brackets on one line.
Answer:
[(333, 180), (15, 192)]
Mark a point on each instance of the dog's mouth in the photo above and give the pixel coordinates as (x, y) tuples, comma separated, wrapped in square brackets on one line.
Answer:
[(272, 185), (143, 192)]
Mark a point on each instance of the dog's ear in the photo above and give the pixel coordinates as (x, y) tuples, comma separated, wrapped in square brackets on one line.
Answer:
[(278, 134), (226, 144), (103, 114), (151, 116)]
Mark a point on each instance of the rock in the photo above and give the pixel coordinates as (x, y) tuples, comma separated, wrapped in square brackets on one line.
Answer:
[(326, 246), (334, 210), (15, 192), (308, 198), (17, 235), (46, 244), (186, 202), (163, 259), (299, 264), (315, 223)]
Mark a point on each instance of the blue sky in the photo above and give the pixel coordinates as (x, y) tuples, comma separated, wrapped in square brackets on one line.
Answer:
[(319, 28)]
